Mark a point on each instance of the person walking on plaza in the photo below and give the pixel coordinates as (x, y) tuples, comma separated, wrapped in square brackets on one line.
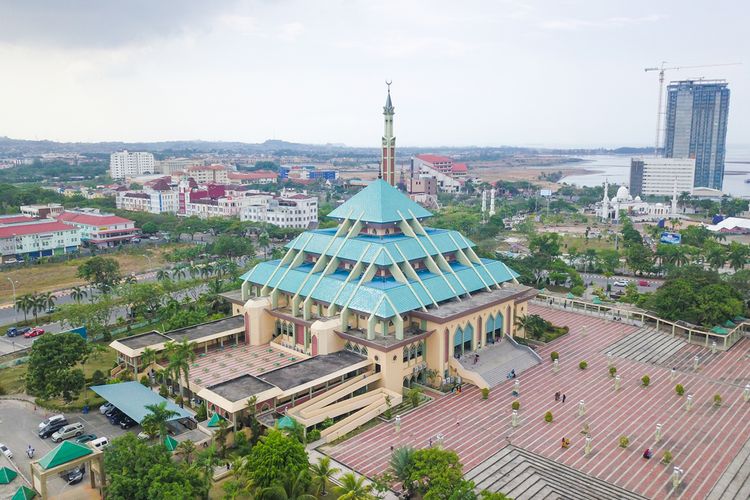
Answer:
[(557, 396), (563, 400)]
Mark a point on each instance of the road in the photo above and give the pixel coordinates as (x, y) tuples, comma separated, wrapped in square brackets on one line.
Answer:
[(601, 281)]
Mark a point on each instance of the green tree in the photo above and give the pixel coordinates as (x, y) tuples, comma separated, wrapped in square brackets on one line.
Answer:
[(95, 316), (414, 395), (715, 254), (546, 244), (101, 272), (353, 488), (158, 417), (231, 246), (52, 365), (402, 463), (149, 227), (271, 456), (25, 303), (180, 355), (737, 255), (322, 473), (436, 473)]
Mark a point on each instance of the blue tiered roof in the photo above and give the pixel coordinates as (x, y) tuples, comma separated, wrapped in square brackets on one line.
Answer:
[(380, 203)]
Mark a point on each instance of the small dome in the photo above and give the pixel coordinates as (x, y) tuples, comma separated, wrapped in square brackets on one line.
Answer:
[(623, 193), (638, 199)]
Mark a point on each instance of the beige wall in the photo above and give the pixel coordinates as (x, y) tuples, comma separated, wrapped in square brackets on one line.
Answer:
[(261, 323)]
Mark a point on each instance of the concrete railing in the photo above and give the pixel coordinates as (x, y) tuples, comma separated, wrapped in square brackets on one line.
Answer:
[(362, 416), (524, 348), (466, 374), (693, 335)]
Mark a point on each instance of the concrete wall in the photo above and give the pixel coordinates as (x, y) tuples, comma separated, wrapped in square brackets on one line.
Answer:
[(261, 323)]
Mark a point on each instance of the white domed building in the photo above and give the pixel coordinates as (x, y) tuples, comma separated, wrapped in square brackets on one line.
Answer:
[(610, 209)]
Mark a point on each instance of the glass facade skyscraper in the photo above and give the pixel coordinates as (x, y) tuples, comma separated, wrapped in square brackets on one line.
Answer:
[(696, 127)]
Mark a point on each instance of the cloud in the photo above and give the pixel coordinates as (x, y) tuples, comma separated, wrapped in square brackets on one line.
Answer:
[(290, 32), (572, 24)]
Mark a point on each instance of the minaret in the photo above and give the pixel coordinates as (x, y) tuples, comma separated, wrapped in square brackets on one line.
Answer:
[(492, 202), (388, 160), (605, 201)]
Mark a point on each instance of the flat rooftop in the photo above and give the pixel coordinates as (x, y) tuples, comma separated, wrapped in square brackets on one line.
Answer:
[(478, 300), (144, 340), (233, 296), (240, 388), (207, 329), (311, 369)]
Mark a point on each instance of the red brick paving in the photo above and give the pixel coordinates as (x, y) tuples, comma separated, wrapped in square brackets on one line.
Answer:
[(702, 441), (220, 365)]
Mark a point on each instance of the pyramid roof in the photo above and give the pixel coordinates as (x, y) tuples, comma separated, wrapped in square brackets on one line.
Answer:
[(380, 203), (23, 493), (64, 453), (214, 422), (170, 443), (7, 475)]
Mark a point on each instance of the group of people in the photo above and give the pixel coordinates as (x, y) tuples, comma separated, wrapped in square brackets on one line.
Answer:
[(30, 451), (559, 398), (511, 374), (565, 442)]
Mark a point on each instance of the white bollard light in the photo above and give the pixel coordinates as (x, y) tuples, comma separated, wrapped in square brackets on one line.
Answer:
[(658, 433), (676, 477), (689, 402), (746, 393), (397, 423), (609, 359), (514, 418), (618, 380), (556, 365), (696, 362), (673, 374), (517, 386), (713, 347), (581, 408), (587, 446)]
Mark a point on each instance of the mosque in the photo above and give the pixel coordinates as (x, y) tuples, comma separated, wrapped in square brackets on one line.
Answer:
[(610, 209), (352, 315)]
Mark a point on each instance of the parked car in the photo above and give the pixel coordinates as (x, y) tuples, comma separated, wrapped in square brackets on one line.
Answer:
[(644, 283), (127, 423), (51, 428), (6, 451), (74, 476), (111, 411), (68, 431), (99, 443), (85, 438), (620, 283), (51, 420), (116, 418), (34, 332), (144, 436), (15, 332), (103, 409)]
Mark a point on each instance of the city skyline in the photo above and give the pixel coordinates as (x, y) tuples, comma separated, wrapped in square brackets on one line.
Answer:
[(513, 73)]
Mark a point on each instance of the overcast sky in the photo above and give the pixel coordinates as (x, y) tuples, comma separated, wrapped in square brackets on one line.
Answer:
[(512, 72)]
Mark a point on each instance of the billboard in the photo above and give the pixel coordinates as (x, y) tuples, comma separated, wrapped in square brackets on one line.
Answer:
[(670, 238), (545, 192)]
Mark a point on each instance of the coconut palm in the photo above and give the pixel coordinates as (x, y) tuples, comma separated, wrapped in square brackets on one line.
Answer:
[(322, 473), (162, 275), (186, 449), (179, 273), (402, 463), (38, 304), (48, 300), (148, 356), (737, 255), (159, 417), (288, 487), (180, 355), (353, 488), (78, 294), (716, 255), (205, 464), (25, 303)]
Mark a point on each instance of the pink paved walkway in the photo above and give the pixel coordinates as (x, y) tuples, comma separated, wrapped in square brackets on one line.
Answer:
[(222, 365), (703, 441)]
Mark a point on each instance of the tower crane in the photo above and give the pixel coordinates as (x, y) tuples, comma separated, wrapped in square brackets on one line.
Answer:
[(661, 69)]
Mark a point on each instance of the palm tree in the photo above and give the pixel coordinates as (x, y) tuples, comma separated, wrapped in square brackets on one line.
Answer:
[(205, 464), (193, 271), (162, 275), (180, 355), (221, 436), (148, 356), (288, 487), (715, 255), (48, 300), (353, 488), (179, 273), (186, 449), (263, 242), (402, 462), (130, 279), (38, 304), (25, 303), (322, 473), (737, 255), (159, 417), (78, 294)]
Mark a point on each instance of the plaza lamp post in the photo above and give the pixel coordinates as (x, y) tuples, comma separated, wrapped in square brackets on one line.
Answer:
[(556, 365), (677, 475), (746, 393), (673, 374), (618, 380), (696, 362), (514, 418), (587, 446), (397, 423), (517, 387), (713, 347), (689, 402), (657, 437), (581, 408), (609, 359)]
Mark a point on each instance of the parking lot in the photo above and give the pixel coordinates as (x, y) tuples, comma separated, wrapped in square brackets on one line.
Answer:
[(18, 429)]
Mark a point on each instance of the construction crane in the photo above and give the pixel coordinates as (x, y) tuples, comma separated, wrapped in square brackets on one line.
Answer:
[(661, 69)]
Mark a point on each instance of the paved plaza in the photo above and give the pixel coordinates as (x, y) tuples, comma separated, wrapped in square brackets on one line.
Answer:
[(704, 441)]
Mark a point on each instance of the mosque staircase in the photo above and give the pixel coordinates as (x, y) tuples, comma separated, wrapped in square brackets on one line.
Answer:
[(496, 361), (338, 392), (523, 475), (363, 415)]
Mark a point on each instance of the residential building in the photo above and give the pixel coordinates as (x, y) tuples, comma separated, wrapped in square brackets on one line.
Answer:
[(257, 177), (157, 196), (286, 210), (696, 127), (31, 239), (99, 229), (449, 176), (302, 173), (661, 176), (48, 211), (123, 164), (349, 317), (209, 174), (169, 166)]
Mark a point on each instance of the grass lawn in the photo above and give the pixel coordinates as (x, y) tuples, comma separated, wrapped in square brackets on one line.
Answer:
[(11, 379), (217, 493), (580, 243), (59, 275)]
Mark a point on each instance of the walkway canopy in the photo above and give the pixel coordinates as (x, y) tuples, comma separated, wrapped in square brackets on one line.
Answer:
[(67, 451), (131, 398)]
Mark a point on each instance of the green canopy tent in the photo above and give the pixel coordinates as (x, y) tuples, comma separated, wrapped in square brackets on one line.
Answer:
[(24, 493), (729, 324), (170, 443), (7, 475), (719, 330), (215, 419), (597, 300), (739, 319), (570, 296)]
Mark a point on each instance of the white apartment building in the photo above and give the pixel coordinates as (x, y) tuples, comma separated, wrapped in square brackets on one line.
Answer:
[(149, 200), (209, 174), (38, 238), (170, 165), (661, 176), (287, 210), (124, 164)]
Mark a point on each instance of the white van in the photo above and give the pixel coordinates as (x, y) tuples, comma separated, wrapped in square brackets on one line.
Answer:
[(99, 443), (70, 430), (51, 420)]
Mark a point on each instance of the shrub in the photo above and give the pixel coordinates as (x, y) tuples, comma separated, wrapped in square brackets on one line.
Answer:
[(679, 389), (717, 399), (326, 423), (548, 417), (145, 381), (583, 365), (485, 393), (98, 378), (201, 414), (313, 436), (624, 441), (554, 355), (667, 457), (612, 371), (516, 405), (163, 392), (646, 380), (179, 401), (2, 390)]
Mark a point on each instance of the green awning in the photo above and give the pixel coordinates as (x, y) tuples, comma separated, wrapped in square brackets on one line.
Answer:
[(7, 475), (285, 422), (719, 330), (570, 296), (729, 324), (24, 493), (215, 418), (64, 453), (739, 319), (597, 300), (170, 443)]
